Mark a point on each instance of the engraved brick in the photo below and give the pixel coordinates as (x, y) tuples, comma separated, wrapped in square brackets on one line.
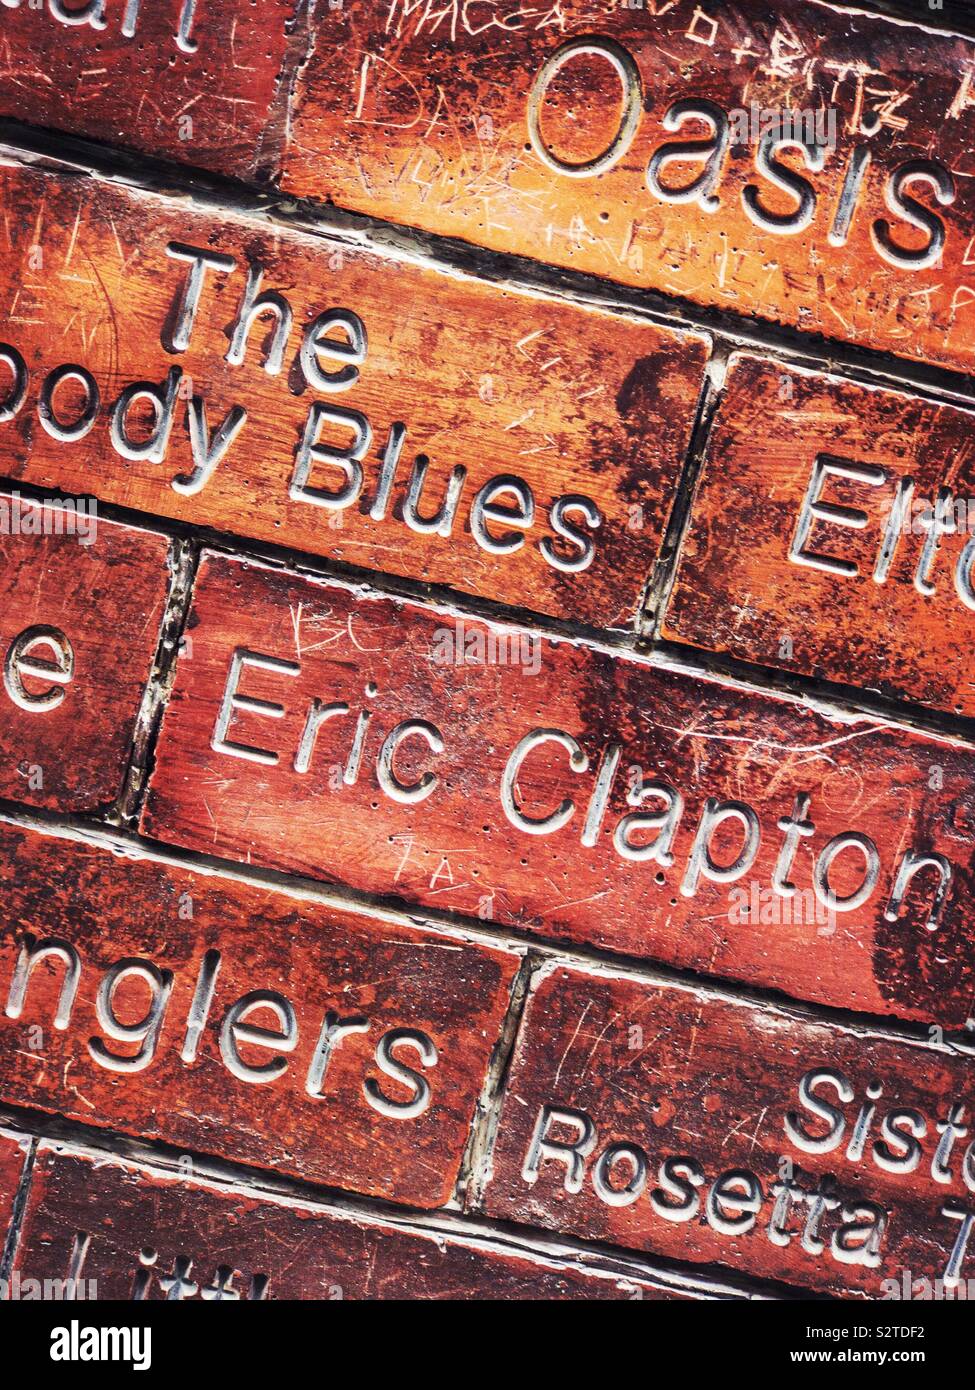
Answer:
[(135, 1232), (276, 1031), (635, 143), (189, 81), (557, 789), (440, 391), (704, 1129), (81, 602), (832, 534), (13, 1148)]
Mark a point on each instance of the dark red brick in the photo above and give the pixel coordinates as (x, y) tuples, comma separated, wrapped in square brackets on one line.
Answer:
[(190, 81), (80, 613), (773, 787), (635, 1076), (383, 1104), (13, 1148), (136, 1228)]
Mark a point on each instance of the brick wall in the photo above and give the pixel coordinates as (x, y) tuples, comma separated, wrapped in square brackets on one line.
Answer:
[(487, 567)]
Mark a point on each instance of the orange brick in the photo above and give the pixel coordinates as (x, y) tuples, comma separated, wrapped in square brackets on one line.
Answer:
[(633, 143), (556, 789), (445, 400), (832, 534)]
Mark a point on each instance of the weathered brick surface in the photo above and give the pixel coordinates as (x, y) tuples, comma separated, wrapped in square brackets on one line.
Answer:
[(683, 1131), (153, 1236), (288, 391), (190, 81), (81, 602), (13, 1149), (586, 415), (259, 759), (831, 535), (342, 1048), (420, 113)]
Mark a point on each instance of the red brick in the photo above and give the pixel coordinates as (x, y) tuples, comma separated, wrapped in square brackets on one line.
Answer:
[(227, 781), (573, 403), (765, 578), (208, 104), (419, 113), (81, 605), (385, 1110), (255, 1246), (642, 1074), (13, 1148)]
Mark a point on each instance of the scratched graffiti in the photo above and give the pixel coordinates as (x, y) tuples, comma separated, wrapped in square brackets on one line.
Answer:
[(599, 137), (600, 800), (526, 449)]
